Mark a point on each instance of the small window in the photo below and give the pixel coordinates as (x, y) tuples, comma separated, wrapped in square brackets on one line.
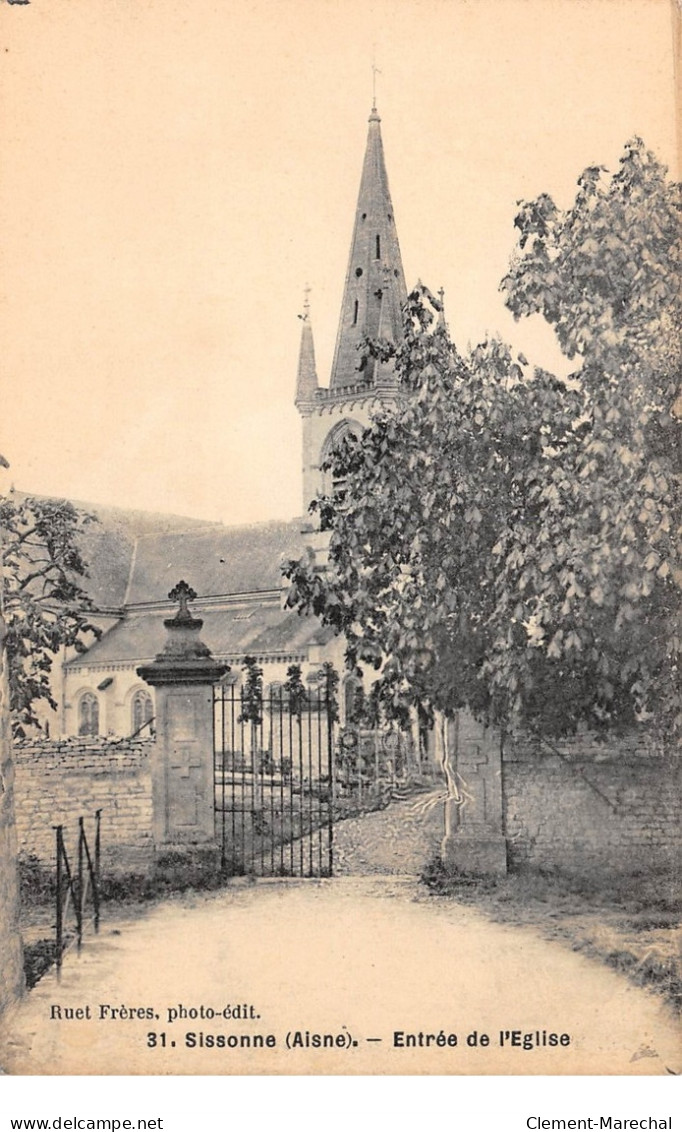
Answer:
[(378, 251), (355, 313), (358, 271), (364, 216), (88, 714), (143, 711)]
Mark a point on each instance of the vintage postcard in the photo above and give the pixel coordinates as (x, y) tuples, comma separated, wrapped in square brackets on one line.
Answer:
[(389, 785)]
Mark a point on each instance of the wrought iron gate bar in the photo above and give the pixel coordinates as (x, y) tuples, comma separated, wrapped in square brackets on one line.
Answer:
[(74, 890), (284, 776), (273, 760)]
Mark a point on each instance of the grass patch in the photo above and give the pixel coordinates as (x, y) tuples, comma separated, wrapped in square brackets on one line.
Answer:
[(630, 923), (119, 893), (38, 958), (37, 882)]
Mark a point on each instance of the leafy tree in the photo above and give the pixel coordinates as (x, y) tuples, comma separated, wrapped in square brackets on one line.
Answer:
[(45, 604), (427, 490), (504, 539), (594, 562)]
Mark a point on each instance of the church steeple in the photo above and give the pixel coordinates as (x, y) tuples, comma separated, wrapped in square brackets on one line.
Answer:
[(375, 290), (306, 382)]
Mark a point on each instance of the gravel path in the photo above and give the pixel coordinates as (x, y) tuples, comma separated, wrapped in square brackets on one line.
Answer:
[(397, 841), (358, 958)]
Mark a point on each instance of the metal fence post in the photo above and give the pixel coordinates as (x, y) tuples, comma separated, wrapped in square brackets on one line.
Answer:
[(96, 878), (332, 776), (59, 926), (81, 885)]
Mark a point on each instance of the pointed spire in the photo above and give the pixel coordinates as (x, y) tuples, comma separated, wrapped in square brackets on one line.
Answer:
[(375, 290), (306, 382), (384, 372)]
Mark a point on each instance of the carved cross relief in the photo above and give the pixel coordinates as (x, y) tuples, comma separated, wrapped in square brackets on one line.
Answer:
[(478, 763)]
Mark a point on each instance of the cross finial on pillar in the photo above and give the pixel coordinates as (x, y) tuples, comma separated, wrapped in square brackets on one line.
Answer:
[(183, 594)]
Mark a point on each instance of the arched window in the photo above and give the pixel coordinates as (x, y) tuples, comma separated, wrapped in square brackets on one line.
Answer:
[(142, 710), (88, 714), (345, 430)]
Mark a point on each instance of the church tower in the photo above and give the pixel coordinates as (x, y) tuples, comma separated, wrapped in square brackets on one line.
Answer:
[(373, 297)]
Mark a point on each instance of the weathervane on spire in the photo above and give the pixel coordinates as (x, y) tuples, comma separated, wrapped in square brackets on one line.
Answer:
[(375, 72), (306, 304)]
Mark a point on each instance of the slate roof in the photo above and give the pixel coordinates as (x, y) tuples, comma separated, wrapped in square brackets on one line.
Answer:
[(213, 561), (374, 291), (108, 553), (257, 627), (135, 558), (108, 544), (138, 556)]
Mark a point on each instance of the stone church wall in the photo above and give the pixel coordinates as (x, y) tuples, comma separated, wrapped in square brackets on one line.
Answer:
[(58, 781), (586, 808)]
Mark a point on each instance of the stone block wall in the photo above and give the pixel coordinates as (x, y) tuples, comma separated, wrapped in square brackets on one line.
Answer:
[(58, 781), (587, 808), (11, 959)]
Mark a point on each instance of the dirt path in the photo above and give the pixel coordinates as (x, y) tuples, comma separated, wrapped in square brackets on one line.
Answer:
[(360, 959)]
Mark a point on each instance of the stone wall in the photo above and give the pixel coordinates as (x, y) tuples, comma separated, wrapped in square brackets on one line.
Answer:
[(577, 806), (11, 960), (58, 781), (583, 807)]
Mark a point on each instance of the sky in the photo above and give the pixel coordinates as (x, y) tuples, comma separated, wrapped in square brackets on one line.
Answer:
[(174, 174)]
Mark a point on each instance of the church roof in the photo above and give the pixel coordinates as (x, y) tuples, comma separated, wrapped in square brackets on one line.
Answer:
[(374, 291), (106, 547), (138, 556), (214, 561), (108, 554), (258, 628), (109, 546)]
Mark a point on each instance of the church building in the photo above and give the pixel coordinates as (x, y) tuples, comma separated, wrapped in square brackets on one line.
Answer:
[(235, 571)]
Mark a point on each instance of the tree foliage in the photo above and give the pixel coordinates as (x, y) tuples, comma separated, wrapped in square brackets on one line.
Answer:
[(295, 692), (45, 604), (505, 540), (330, 684), (598, 567), (252, 693)]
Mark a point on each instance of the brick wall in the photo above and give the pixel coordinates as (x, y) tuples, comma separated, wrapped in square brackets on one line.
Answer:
[(57, 781), (588, 808)]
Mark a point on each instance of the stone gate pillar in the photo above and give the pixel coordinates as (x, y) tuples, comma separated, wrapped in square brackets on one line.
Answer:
[(183, 758), (474, 840)]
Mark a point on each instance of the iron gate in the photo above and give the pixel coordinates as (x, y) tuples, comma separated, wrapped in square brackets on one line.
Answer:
[(274, 781)]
